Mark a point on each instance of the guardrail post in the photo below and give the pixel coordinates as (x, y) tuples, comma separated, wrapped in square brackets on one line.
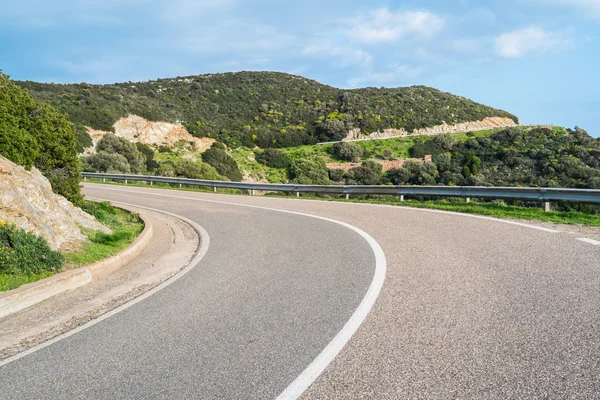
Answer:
[(547, 206)]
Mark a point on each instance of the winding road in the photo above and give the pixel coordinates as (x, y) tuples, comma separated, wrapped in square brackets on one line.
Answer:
[(470, 308)]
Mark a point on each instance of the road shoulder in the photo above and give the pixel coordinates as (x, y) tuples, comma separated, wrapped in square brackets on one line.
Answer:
[(172, 246)]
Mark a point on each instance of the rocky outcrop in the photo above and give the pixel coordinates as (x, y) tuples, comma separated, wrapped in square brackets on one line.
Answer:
[(139, 130), (487, 123), (27, 200)]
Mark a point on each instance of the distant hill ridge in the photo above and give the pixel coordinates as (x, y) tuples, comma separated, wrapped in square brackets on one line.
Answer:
[(265, 109)]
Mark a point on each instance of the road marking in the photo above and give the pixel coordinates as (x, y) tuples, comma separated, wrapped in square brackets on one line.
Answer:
[(504, 221), (204, 243), (318, 365), (590, 241)]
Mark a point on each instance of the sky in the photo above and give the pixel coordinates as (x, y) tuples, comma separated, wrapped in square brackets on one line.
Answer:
[(537, 59)]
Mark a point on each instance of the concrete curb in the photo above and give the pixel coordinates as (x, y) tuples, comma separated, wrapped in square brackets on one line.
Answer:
[(33, 293)]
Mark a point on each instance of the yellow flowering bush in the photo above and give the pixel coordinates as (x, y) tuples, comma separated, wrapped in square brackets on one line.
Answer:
[(24, 252)]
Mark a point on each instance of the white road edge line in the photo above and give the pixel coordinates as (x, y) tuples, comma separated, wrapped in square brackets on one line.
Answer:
[(318, 365), (590, 241), (504, 221), (204, 244)]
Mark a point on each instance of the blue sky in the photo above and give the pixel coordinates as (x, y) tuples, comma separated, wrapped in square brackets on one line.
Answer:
[(535, 58)]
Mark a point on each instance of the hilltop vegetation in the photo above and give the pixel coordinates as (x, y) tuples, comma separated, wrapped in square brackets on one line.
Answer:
[(264, 109)]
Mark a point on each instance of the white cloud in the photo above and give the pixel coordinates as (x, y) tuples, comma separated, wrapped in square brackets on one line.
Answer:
[(533, 39), (385, 26)]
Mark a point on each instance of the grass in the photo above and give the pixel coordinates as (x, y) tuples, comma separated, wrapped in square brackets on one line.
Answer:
[(11, 281), (125, 227), (496, 208)]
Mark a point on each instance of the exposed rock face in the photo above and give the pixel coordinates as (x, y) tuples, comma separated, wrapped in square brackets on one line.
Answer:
[(387, 165), (487, 123), (27, 200), (139, 130)]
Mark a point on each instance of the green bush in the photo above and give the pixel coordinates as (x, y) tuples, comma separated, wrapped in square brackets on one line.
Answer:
[(223, 163), (369, 173), (33, 133), (347, 151), (190, 169), (114, 144), (273, 158), (106, 162), (25, 253), (309, 172), (336, 175)]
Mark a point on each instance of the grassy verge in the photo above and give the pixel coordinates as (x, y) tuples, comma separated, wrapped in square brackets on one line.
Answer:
[(496, 209), (10, 281), (125, 227)]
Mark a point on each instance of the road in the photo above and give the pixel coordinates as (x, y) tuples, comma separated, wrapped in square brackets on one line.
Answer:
[(470, 308)]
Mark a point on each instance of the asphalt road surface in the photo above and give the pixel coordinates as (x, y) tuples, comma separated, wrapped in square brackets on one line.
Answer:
[(470, 308)]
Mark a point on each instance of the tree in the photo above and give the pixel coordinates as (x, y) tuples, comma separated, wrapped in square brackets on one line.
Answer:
[(106, 162), (369, 173), (114, 144), (223, 163), (347, 151), (147, 151), (333, 130), (33, 133), (309, 172)]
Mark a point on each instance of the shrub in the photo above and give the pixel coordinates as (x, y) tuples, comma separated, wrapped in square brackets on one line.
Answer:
[(114, 144), (147, 151), (23, 252), (336, 175), (347, 151), (309, 172), (273, 158), (223, 163), (106, 162), (369, 173)]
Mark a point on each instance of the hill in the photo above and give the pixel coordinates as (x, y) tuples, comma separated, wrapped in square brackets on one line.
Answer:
[(266, 109)]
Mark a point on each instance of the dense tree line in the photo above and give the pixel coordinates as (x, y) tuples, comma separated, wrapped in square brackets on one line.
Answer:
[(512, 157), (259, 108), (33, 133)]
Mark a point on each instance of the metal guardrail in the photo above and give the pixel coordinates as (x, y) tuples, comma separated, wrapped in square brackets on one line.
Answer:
[(545, 195)]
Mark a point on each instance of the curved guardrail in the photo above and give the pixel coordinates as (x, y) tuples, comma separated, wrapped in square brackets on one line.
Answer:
[(544, 195)]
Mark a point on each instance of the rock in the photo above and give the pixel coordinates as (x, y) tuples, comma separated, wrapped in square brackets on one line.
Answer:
[(139, 130), (486, 123), (27, 200)]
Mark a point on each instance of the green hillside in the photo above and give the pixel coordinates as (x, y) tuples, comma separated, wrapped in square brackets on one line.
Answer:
[(267, 109)]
